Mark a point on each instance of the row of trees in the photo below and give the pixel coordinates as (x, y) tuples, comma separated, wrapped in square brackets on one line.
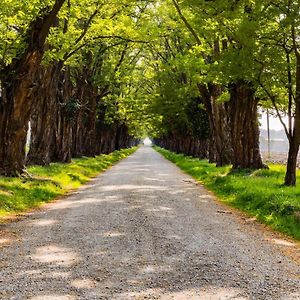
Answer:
[(90, 76), (227, 59), (61, 64)]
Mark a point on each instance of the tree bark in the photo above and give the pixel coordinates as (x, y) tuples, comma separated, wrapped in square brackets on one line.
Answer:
[(244, 127), (17, 81), (62, 147), (290, 175), (219, 125), (43, 118), (294, 139)]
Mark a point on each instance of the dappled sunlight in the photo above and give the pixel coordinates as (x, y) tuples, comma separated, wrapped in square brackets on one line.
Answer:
[(128, 187), (152, 197), (4, 241), (83, 283), (58, 274), (211, 293), (146, 294), (42, 223), (111, 197), (61, 205), (156, 269), (163, 175), (112, 234), (282, 242), (154, 179), (132, 166), (203, 201), (53, 254), (205, 196), (6, 193), (53, 297), (85, 201), (133, 207), (31, 272), (176, 192), (159, 208), (134, 237)]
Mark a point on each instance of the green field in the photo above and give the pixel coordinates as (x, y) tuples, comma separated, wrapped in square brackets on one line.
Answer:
[(258, 193), (46, 183)]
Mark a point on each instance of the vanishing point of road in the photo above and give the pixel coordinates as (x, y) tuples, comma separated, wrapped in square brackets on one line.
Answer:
[(143, 230)]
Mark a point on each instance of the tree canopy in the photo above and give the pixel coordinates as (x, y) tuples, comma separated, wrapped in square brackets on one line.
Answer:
[(92, 76)]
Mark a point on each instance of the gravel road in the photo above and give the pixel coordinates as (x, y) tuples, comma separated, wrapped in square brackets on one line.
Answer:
[(142, 230)]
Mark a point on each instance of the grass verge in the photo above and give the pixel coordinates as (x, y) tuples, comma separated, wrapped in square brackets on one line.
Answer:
[(20, 194), (258, 193)]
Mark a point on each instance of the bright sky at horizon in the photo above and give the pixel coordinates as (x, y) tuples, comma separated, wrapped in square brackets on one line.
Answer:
[(147, 141), (274, 122)]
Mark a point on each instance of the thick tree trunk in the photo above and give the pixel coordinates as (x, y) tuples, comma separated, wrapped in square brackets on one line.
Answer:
[(244, 127), (43, 118), (14, 117), (78, 137), (84, 135), (66, 115), (17, 83), (219, 125)]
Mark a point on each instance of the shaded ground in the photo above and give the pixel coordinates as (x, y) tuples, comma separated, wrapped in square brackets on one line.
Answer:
[(142, 230)]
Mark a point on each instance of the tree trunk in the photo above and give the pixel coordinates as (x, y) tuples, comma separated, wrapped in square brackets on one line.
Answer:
[(17, 82), (14, 118), (244, 127), (291, 176), (66, 116), (219, 124), (43, 118)]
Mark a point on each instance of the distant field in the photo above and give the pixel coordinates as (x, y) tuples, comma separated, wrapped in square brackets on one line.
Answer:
[(277, 158), (279, 147)]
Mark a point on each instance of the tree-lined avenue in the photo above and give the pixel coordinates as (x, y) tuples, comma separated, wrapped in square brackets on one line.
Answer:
[(142, 230)]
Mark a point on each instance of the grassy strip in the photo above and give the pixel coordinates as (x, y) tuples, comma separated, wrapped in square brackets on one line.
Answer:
[(259, 193), (19, 194)]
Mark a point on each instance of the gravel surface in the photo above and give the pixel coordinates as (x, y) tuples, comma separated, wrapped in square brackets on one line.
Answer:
[(142, 230)]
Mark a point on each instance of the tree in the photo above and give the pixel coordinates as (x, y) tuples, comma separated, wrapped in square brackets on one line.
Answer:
[(17, 78), (278, 59), (78, 48), (231, 122)]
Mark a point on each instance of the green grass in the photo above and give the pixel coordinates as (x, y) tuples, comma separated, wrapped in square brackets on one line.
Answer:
[(20, 194), (258, 193)]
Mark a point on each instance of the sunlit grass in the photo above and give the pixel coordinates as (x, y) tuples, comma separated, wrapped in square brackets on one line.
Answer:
[(47, 183), (258, 193)]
